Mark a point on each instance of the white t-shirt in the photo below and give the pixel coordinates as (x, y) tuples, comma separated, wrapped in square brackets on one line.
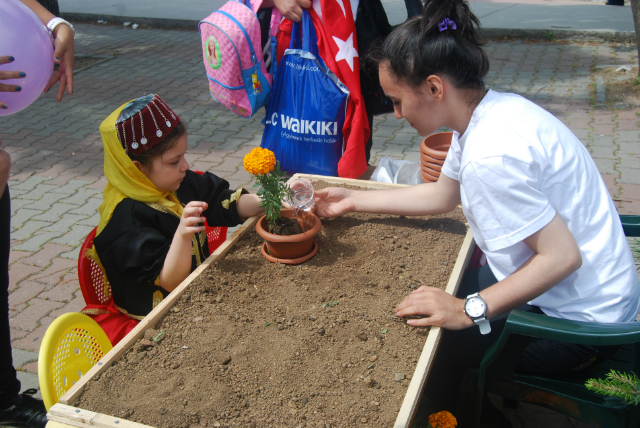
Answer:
[(518, 166)]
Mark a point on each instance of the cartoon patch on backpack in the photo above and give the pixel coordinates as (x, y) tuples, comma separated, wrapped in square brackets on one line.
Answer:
[(257, 86), (212, 49)]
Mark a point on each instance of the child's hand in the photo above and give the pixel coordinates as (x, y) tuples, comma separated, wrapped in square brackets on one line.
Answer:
[(191, 216)]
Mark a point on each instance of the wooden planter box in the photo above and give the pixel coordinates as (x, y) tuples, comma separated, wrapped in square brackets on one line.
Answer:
[(63, 414)]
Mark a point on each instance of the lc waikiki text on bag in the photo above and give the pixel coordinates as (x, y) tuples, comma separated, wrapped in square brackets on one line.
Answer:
[(233, 58), (307, 108)]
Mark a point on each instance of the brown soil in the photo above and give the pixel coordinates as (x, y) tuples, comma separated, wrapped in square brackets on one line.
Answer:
[(622, 88), (258, 344), (286, 227)]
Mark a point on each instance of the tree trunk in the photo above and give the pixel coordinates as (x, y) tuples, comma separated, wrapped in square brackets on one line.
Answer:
[(635, 9)]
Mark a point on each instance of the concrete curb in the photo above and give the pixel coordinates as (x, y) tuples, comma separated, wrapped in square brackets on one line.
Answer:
[(558, 34), (187, 24), (489, 33)]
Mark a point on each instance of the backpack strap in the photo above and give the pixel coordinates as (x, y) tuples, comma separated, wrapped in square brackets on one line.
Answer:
[(276, 18)]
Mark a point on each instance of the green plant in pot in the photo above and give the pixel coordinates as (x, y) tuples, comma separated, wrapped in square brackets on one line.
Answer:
[(274, 190)]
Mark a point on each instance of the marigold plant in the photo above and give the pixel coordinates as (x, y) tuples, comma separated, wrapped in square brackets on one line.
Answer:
[(442, 419), (272, 183), (259, 161)]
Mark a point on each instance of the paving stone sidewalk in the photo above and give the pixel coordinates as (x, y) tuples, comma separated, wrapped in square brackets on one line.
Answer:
[(57, 179)]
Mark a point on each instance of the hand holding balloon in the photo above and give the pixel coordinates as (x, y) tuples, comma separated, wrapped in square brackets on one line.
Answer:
[(6, 75), (26, 39), (63, 55)]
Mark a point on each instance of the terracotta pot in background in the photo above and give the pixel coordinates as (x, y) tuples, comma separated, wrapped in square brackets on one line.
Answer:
[(426, 177), (437, 145), (433, 152), (431, 172), (431, 165), (292, 249)]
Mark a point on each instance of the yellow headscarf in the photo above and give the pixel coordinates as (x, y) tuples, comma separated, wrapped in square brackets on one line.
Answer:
[(125, 180)]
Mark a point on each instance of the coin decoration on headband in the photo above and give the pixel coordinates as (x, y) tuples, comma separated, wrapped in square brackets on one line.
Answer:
[(141, 118)]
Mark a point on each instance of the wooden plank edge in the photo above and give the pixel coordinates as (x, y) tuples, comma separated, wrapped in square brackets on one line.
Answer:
[(54, 424), (75, 417), (421, 373), (154, 316), (373, 185)]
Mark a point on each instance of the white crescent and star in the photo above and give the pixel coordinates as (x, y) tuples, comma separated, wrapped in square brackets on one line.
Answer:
[(346, 49), (341, 4)]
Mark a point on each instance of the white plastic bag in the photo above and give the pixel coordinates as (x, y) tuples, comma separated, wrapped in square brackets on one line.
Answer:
[(397, 171)]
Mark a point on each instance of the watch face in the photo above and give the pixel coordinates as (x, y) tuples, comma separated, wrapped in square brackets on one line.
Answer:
[(475, 307)]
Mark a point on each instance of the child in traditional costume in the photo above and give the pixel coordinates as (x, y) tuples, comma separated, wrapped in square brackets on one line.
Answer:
[(151, 234)]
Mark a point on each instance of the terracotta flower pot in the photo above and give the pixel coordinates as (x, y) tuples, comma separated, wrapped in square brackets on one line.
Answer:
[(435, 166), (427, 180), (428, 177), (436, 145), (433, 152), (431, 171), (292, 249)]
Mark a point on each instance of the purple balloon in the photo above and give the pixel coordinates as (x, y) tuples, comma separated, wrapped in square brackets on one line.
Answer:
[(24, 37)]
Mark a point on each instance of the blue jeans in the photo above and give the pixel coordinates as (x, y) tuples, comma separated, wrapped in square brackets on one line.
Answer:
[(9, 383), (460, 349)]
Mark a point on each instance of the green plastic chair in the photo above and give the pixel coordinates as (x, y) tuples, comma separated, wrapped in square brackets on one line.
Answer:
[(566, 393)]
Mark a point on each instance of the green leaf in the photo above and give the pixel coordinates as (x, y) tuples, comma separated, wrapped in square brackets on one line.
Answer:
[(267, 324), (624, 386), (384, 331)]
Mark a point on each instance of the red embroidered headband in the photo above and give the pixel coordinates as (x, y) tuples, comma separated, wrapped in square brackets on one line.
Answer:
[(144, 122)]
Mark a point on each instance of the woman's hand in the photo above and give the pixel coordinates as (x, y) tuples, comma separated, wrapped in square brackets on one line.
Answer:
[(292, 9), (334, 202), (440, 309), (62, 55), (191, 216), (7, 75)]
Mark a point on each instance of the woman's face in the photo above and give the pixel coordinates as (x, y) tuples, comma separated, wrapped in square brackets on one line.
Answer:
[(168, 169), (419, 106)]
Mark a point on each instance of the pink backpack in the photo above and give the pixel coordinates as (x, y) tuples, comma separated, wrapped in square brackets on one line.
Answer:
[(233, 58)]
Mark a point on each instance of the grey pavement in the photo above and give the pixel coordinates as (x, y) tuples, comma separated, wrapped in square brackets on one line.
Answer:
[(557, 16), (57, 178), (550, 16)]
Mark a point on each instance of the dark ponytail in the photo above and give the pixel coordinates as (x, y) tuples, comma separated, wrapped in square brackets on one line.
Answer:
[(417, 49)]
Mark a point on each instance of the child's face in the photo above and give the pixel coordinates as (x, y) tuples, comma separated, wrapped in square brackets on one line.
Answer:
[(168, 170)]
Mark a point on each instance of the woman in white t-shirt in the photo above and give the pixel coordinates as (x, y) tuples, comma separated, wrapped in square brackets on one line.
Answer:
[(533, 197)]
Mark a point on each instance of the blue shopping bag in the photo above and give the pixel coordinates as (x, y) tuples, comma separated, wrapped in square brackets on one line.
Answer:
[(307, 108)]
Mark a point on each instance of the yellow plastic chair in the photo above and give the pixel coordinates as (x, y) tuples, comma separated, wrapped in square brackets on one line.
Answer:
[(72, 345)]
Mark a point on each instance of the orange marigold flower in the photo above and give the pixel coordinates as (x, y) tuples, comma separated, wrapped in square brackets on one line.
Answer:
[(259, 161), (442, 419)]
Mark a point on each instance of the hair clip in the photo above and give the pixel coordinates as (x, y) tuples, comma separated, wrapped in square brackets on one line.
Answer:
[(446, 23)]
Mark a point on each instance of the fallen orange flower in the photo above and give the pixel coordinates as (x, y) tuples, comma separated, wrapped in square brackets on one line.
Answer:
[(443, 419)]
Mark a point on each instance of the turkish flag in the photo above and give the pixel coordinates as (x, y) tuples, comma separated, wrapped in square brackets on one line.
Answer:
[(338, 47)]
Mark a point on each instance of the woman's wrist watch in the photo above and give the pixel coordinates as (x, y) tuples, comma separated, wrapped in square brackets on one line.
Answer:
[(57, 21), (476, 308)]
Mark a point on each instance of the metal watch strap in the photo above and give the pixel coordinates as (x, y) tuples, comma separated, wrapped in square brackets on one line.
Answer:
[(51, 25)]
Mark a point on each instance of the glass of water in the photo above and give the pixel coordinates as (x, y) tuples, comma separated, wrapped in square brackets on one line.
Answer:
[(302, 201)]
